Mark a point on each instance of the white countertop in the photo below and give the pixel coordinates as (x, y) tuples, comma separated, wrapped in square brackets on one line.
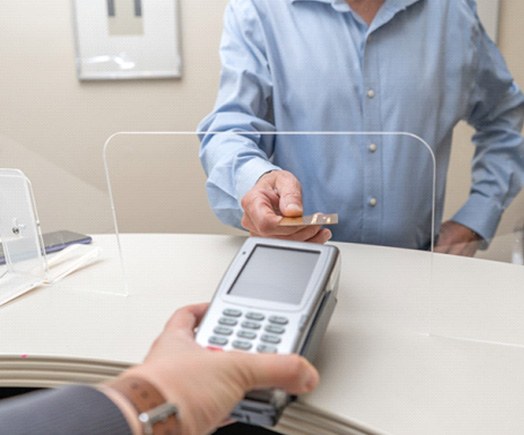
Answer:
[(384, 368)]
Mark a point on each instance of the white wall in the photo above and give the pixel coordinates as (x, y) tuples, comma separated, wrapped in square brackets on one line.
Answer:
[(49, 117), (53, 127)]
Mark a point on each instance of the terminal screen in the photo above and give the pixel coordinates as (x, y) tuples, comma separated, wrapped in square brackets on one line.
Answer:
[(276, 274)]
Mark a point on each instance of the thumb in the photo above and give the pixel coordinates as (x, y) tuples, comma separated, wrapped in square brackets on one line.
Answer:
[(290, 193), (291, 373)]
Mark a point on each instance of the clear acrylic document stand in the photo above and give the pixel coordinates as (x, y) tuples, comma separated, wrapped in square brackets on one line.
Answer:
[(35, 253), (25, 265), (157, 185)]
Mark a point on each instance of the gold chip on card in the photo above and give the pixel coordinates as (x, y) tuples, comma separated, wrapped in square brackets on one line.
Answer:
[(312, 219)]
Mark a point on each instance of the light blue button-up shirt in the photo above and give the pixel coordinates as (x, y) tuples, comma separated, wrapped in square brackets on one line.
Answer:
[(314, 65)]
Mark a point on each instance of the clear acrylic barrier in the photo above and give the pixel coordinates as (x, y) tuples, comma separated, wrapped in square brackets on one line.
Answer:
[(508, 244), (157, 186), (155, 190), (517, 244), (481, 299)]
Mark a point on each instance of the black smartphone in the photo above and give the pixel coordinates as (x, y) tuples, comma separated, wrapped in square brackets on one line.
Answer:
[(56, 241)]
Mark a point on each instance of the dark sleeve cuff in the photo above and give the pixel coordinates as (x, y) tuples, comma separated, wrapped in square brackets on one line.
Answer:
[(80, 410)]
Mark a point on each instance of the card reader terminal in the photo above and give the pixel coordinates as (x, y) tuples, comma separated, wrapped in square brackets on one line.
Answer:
[(277, 296)]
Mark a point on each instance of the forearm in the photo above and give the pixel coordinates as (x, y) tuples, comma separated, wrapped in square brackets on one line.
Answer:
[(237, 138), (497, 171), (233, 163), (496, 111), (71, 410)]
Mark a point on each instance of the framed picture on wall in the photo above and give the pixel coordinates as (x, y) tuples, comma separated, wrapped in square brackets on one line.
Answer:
[(127, 39)]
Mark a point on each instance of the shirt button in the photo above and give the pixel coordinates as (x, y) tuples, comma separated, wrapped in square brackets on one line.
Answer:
[(372, 147), (371, 93), (373, 202)]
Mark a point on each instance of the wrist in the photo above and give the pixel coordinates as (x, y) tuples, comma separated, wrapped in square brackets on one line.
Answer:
[(264, 174), (125, 407), (475, 237), (145, 408)]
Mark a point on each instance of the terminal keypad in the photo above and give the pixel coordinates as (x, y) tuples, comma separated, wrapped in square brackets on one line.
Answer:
[(248, 330)]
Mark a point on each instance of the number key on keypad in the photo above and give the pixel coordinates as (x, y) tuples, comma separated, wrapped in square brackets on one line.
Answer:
[(275, 329), (273, 339), (232, 312), (246, 334), (266, 348), (255, 316), (219, 341), (242, 345), (279, 320), (227, 321), (222, 330), (250, 325)]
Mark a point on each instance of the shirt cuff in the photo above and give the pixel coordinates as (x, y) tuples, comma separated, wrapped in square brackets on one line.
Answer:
[(480, 214), (249, 173)]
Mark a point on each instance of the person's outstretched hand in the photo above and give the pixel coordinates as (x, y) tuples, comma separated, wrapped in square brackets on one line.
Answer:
[(278, 194), (206, 385)]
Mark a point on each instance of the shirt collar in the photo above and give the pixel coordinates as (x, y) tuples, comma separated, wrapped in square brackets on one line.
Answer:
[(389, 10), (399, 4)]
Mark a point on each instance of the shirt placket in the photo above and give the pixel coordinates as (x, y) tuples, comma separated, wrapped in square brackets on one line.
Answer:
[(371, 145)]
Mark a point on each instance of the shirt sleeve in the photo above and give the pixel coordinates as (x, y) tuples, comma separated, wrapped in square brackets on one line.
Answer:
[(79, 410), (233, 152), (496, 111)]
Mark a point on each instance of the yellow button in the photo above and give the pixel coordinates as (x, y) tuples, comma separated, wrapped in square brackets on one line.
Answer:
[(373, 202)]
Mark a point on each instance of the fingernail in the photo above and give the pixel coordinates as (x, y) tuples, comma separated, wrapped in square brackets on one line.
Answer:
[(326, 235), (311, 380), (293, 207)]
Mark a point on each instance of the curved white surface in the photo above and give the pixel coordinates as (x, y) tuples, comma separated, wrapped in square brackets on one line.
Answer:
[(381, 370)]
